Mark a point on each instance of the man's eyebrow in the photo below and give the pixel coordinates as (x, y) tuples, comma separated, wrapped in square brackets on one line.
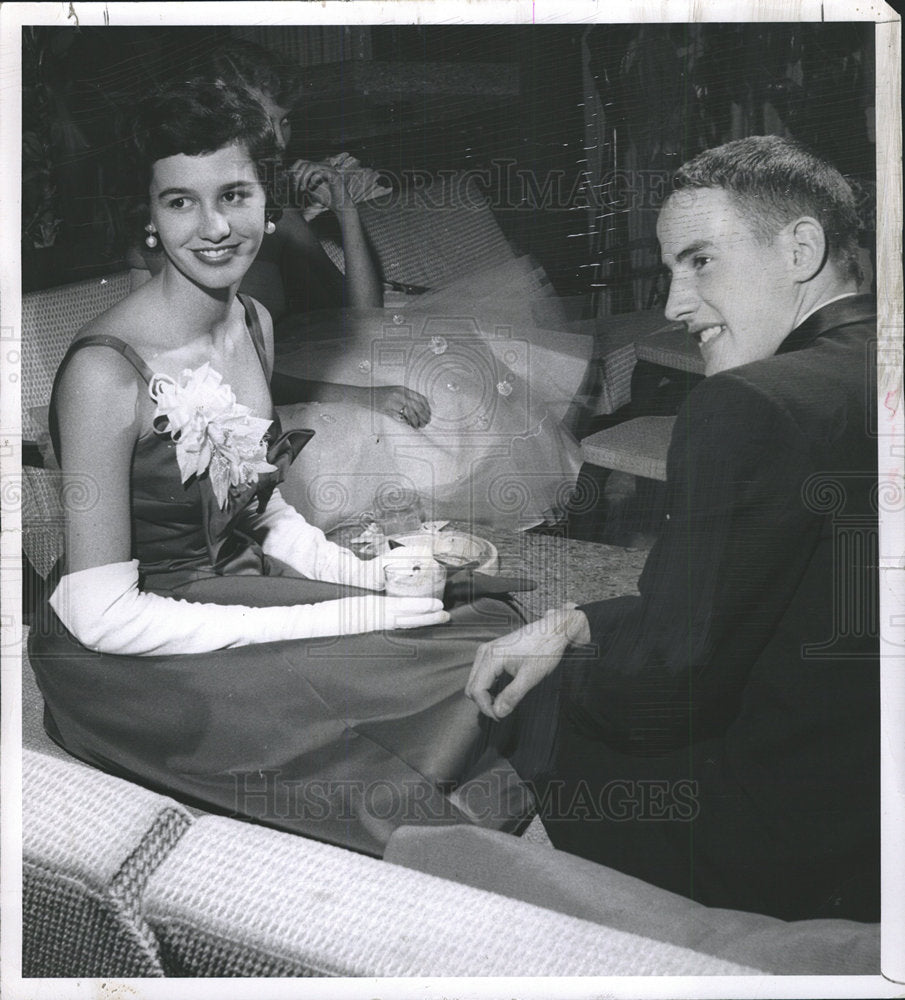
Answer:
[(693, 248)]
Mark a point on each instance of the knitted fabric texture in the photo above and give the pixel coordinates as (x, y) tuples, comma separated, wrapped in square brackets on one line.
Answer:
[(243, 901), (428, 236), (83, 879)]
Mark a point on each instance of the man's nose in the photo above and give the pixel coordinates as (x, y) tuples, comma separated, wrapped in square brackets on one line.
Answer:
[(681, 301)]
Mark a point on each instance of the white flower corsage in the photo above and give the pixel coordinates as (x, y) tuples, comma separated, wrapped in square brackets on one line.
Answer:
[(211, 431)]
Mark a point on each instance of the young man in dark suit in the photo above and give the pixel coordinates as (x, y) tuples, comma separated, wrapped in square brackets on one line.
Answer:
[(719, 734)]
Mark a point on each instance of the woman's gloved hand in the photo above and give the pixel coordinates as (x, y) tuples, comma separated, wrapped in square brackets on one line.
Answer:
[(377, 613)]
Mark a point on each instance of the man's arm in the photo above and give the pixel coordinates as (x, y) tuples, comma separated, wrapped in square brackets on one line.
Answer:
[(672, 664)]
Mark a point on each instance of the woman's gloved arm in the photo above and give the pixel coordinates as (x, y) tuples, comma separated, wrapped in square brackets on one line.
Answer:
[(105, 610), (284, 534)]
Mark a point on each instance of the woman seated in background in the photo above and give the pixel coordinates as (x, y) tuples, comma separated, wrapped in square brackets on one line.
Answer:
[(458, 399), (216, 645)]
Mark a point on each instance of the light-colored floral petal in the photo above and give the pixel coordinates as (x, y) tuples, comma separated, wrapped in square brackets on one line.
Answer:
[(212, 431)]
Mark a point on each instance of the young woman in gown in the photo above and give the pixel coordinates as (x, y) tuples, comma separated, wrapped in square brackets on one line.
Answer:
[(204, 639)]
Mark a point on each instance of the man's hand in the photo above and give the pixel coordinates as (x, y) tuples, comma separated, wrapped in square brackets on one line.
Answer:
[(527, 655), (404, 404)]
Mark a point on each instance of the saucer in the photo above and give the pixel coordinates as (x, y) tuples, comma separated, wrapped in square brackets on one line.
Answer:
[(454, 549)]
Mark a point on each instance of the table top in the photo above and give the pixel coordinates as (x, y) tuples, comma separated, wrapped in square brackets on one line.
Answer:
[(567, 569), (564, 569)]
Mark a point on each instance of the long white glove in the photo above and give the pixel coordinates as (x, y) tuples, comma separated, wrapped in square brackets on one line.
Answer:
[(284, 534), (104, 609)]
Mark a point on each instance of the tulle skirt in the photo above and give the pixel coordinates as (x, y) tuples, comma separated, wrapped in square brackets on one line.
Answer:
[(499, 372)]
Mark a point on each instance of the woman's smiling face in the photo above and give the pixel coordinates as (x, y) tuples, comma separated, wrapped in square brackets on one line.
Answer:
[(209, 214)]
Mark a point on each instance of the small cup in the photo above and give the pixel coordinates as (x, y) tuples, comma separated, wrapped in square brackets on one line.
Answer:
[(414, 576)]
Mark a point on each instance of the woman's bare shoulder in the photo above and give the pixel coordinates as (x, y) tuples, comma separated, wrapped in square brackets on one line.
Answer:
[(98, 370), (131, 320)]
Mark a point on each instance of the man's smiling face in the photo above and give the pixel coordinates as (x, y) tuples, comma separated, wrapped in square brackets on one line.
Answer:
[(735, 294)]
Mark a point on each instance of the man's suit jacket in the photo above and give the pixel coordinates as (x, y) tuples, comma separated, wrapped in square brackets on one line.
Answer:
[(749, 664)]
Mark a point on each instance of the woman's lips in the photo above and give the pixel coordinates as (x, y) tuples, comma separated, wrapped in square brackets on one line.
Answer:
[(214, 254)]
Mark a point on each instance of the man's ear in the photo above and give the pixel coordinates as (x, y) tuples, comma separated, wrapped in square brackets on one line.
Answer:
[(807, 247)]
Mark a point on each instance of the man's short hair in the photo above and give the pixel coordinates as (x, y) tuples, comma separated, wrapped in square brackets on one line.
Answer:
[(774, 181)]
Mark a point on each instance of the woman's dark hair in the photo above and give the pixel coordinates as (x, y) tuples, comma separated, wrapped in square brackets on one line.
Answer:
[(773, 181), (200, 116), (250, 67)]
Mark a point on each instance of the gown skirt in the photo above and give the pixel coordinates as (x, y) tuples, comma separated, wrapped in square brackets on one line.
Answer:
[(342, 739)]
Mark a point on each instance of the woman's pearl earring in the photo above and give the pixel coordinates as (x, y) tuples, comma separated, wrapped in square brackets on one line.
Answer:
[(151, 238), (270, 227)]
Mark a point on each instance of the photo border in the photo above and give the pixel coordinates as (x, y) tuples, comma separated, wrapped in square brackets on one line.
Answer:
[(891, 423)]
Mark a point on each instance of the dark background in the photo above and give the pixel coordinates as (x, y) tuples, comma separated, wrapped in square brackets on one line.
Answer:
[(509, 101)]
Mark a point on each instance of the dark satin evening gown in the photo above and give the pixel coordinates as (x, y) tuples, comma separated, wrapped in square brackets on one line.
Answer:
[(342, 739)]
